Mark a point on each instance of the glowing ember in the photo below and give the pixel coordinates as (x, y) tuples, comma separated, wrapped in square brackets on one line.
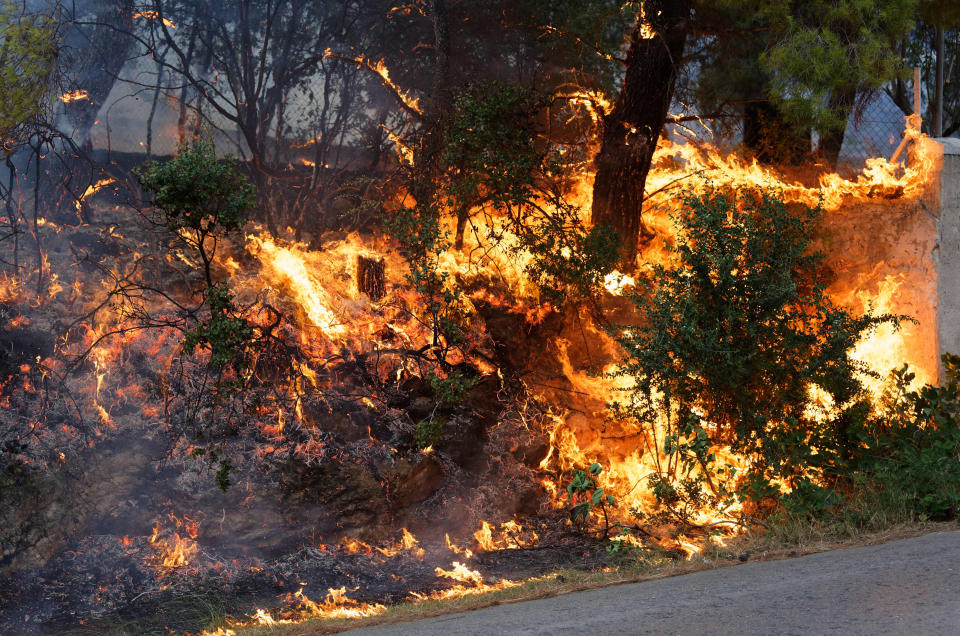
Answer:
[(73, 96), (91, 189), (153, 15)]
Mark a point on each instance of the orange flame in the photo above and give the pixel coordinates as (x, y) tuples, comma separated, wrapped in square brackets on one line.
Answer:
[(73, 96)]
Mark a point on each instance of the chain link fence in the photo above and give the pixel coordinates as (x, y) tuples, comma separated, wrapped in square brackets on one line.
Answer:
[(876, 132)]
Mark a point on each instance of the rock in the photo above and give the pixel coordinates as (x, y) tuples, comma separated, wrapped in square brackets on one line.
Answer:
[(350, 492), (418, 482)]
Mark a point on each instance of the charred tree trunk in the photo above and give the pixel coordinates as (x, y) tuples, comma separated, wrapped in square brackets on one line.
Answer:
[(371, 277), (632, 128)]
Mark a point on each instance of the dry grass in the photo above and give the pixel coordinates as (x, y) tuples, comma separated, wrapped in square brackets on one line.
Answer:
[(768, 546)]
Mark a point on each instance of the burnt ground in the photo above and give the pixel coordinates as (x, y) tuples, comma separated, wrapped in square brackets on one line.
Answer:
[(104, 585), (82, 494)]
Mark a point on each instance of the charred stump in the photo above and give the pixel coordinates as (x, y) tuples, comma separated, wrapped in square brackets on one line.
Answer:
[(371, 277)]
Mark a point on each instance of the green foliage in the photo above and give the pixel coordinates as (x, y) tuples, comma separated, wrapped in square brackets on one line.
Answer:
[(223, 464), (913, 446), (429, 431), (451, 391), (28, 54), (822, 47), (694, 480), (225, 332), (568, 261), (800, 55), (444, 308), (197, 191), (905, 468), (202, 199), (490, 151), (588, 497), (734, 332)]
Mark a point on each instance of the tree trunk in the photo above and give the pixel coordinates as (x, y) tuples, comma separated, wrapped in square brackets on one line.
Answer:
[(772, 140), (427, 160), (632, 128), (841, 102)]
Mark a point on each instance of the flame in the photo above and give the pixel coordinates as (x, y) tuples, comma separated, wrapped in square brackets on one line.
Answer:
[(153, 15), (173, 551), (404, 151), (616, 283), (285, 266), (336, 605), (461, 573), (73, 96), (511, 536), (466, 552), (92, 189), (674, 163), (887, 349), (380, 68)]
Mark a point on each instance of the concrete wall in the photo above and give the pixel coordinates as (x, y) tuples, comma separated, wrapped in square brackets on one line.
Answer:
[(947, 189)]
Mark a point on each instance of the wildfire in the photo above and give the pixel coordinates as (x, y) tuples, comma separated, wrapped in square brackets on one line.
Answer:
[(336, 605), (887, 349), (410, 102), (461, 573), (173, 551), (616, 283), (153, 15), (73, 96), (404, 151), (91, 189), (674, 163), (511, 536), (285, 266)]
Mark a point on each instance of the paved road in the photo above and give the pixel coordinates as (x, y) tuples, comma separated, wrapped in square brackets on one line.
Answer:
[(903, 587)]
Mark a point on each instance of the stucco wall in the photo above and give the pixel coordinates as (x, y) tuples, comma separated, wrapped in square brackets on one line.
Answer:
[(910, 244), (948, 190)]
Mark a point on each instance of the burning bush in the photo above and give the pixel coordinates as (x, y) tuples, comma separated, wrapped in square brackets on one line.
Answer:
[(733, 337)]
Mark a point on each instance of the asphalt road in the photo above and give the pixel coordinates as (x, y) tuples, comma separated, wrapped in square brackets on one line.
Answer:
[(910, 587)]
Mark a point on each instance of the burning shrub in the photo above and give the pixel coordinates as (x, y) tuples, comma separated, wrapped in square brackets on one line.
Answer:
[(445, 310), (733, 336), (568, 261)]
